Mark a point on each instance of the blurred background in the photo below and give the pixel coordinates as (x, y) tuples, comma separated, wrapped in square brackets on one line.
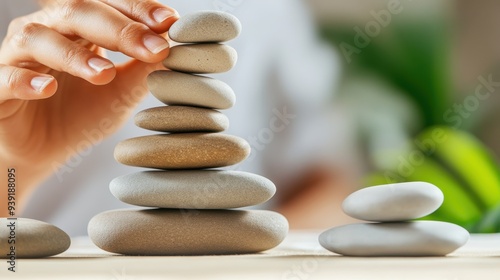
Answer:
[(369, 92), (419, 91)]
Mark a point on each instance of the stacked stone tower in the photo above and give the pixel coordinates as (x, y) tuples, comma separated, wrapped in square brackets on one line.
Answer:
[(192, 200)]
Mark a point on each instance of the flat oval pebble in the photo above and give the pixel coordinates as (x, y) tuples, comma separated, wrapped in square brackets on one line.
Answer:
[(394, 202), (205, 26), (33, 239), (187, 232), (175, 88), (421, 238), (193, 189), (201, 58), (182, 151), (182, 119)]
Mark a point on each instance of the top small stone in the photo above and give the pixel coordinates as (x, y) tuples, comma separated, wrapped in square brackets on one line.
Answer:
[(393, 202), (205, 27)]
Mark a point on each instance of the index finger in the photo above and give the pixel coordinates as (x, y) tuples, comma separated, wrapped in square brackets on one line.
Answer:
[(156, 16)]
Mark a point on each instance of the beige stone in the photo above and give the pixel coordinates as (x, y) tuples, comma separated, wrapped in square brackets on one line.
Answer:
[(201, 58), (187, 232), (33, 239), (182, 119), (175, 88), (182, 151), (205, 26), (193, 189)]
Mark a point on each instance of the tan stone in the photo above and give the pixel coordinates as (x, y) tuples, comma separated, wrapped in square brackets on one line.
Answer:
[(205, 26), (201, 58), (33, 239), (187, 232), (182, 151), (182, 119)]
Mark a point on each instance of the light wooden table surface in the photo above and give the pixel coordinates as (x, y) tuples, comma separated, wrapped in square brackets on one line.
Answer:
[(300, 257)]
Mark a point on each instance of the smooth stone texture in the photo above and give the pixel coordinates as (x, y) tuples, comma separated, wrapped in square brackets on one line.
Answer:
[(193, 189), (205, 27), (187, 232), (175, 88), (182, 151), (201, 58), (421, 238), (34, 239), (393, 202), (182, 119)]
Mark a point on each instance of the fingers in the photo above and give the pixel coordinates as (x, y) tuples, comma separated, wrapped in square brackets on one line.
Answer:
[(155, 15), (46, 39), (105, 26), (20, 83), (38, 43)]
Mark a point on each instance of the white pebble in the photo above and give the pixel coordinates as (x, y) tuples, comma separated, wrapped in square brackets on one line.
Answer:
[(394, 202), (421, 238)]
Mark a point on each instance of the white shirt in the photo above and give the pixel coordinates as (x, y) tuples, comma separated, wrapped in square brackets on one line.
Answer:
[(281, 64)]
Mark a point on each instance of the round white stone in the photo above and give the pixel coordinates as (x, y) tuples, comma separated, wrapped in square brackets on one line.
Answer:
[(393, 202), (193, 189), (420, 238), (204, 27)]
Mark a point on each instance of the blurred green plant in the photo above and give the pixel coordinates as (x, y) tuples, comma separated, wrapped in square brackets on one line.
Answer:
[(413, 56), (461, 167)]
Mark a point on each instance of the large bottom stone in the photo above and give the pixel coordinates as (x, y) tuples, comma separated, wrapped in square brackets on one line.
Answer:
[(420, 238), (31, 239), (187, 232)]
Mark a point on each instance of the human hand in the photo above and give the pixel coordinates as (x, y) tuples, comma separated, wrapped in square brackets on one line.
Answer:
[(55, 81)]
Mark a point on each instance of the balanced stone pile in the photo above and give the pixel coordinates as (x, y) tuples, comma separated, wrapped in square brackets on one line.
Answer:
[(192, 216), (392, 207)]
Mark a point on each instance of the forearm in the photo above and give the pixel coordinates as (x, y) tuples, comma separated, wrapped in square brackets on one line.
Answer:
[(39, 129)]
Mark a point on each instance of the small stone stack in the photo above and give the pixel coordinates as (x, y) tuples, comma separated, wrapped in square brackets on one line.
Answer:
[(391, 208), (192, 216)]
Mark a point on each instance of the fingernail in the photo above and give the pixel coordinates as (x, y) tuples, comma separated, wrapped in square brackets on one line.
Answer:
[(99, 65), (155, 44), (161, 14), (40, 83)]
